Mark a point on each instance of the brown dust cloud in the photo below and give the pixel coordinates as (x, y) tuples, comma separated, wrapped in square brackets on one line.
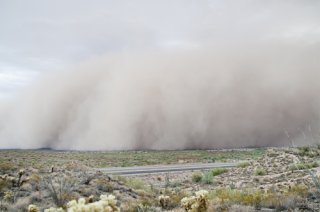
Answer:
[(237, 88)]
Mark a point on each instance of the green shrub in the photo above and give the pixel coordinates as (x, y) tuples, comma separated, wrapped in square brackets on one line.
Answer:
[(196, 177), (218, 171), (313, 164), (294, 167), (260, 171), (207, 178), (302, 166), (243, 164), (303, 151), (135, 184)]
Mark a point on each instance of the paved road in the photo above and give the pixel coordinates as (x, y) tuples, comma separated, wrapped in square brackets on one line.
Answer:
[(139, 170)]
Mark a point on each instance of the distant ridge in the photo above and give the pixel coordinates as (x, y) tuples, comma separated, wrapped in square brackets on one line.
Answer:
[(45, 148)]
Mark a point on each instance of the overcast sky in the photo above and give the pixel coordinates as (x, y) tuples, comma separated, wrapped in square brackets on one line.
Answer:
[(38, 36)]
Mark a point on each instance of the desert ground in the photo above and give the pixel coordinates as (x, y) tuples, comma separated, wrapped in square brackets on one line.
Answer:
[(264, 179)]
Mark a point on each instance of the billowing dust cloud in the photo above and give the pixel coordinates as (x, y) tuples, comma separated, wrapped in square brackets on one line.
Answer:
[(227, 94), (171, 101)]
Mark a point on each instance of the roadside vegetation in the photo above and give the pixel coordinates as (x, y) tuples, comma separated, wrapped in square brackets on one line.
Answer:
[(42, 159)]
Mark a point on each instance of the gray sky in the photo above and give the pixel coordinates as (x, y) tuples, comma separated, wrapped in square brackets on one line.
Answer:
[(38, 36)]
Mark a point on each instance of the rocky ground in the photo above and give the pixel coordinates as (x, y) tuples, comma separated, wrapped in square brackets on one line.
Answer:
[(281, 171), (280, 180)]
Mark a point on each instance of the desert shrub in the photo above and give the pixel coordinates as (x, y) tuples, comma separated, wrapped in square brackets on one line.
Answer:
[(175, 198), (164, 201), (243, 164), (246, 197), (141, 208), (197, 203), (132, 182), (5, 182), (104, 185), (188, 202), (256, 198), (299, 189), (20, 204), (302, 166), (135, 183), (4, 206), (294, 167), (196, 177), (218, 171), (225, 194), (147, 200), (260, 171), (87, 191), (122, 178), (7, 167), (20, 175), (33, 208), (175, 184), (8, 196), (303, 150), (52, 209), (313, 164), (316, 182), (35, 181), (60, 189), (167, 182), (207, 178), (253, 199), (107, 203), (307, 151), (145, 203), (272, 153), (273, 201), (283, 201)]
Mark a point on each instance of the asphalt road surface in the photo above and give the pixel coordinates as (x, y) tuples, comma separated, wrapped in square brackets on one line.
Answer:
[(139, 170)]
